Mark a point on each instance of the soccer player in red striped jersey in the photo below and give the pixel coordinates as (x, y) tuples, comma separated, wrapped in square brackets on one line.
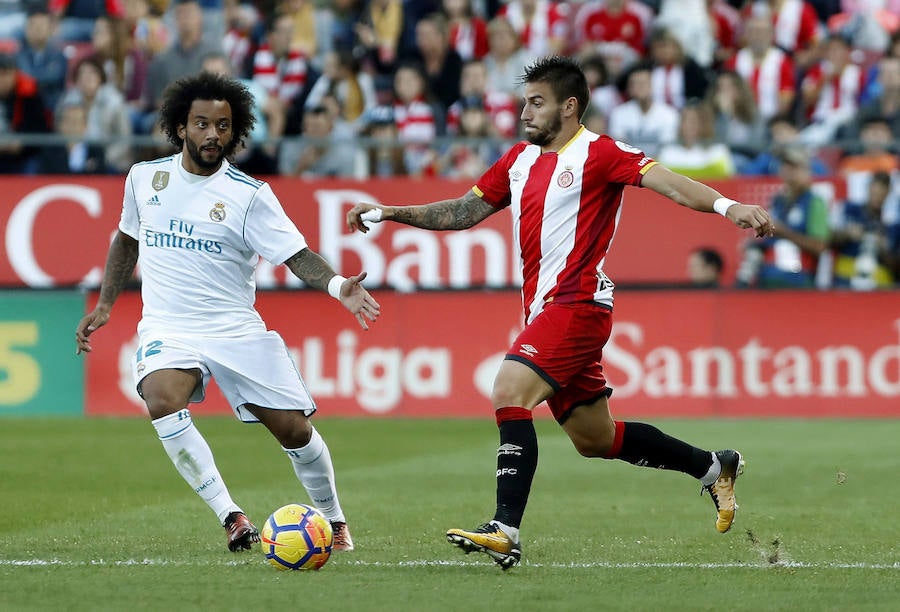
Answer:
[(565, 187)]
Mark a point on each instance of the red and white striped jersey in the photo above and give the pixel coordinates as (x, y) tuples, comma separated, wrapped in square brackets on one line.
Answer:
[(550, 20), (283, 77), (415, 121), (768, 78), (840, 92), (565, 207)]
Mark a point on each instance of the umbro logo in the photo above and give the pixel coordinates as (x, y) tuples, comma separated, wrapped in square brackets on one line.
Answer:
[(154, 201), (528, 350), (509, 449)]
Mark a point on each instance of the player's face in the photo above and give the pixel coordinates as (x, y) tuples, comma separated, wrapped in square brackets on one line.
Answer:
[(206, 135), (541, 115)]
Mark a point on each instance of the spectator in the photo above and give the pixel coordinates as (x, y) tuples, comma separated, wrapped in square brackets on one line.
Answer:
[(379, 33), (886, 104), (878, 152), (867, 249), (312, 29), (107, 114), (795, 26), (604, 26), (281, 71), (868, 23), (501, 107), (343, 79), (725, 21), (542, 25), (259, 153), (641, 121), (124, 63), (704, 268), (22, 111), (675, 78), (78, 155), (76, 17), (416, 119), (506, 59), (324, 149), (872, 87), (831, 91), (768, 69), (146, 29), (782, 132), (346, 14), (605, 95), (238, 44), (790, 258), (737, 123), (468, 32), (183, 58), (474, 149), (40, 58), (385, 153), (689, 23), (443, 66), (696, 154)]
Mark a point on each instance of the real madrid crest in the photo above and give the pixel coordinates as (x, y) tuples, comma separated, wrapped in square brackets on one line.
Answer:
[(160, 180), (565, 178), (217, 213)]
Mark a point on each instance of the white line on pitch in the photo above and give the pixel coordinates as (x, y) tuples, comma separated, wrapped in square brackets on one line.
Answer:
[(440, 563)]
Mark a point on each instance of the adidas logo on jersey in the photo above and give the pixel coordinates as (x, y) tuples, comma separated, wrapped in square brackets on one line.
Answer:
[(154, 201)]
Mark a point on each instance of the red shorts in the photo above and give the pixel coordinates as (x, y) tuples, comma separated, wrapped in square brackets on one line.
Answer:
[(563, 345)]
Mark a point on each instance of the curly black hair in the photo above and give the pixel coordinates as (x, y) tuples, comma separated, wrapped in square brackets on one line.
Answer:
[(565, 76), (180, 95)]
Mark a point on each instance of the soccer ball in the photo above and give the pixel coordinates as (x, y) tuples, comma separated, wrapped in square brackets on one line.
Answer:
[(297, 537)]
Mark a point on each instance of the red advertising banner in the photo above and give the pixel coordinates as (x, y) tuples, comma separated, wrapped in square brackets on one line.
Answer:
[(56, 231), (673, 353)]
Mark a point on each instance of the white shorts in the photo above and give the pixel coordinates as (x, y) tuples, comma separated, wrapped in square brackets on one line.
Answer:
[(255, 368)]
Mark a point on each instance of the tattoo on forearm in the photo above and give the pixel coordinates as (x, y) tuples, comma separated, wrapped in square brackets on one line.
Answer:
[(308, 266), (123, 256), (461, 213)]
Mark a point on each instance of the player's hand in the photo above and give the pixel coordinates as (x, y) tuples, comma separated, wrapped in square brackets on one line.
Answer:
[(750, 216), (362, 213), (87, 326), (357, 300)]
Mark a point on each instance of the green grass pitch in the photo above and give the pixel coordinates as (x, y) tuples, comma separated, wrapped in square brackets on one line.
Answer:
[(96, 518)]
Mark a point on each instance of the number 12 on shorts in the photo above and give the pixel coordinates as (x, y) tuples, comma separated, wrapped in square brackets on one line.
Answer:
[(152, 349)]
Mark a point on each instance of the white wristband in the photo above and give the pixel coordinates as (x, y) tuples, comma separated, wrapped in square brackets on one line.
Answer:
[(372, 216), (334, 286), (721, 205)]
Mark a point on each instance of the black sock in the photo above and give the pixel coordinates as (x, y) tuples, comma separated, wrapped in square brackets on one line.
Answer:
[(516, 463), (645, 445)]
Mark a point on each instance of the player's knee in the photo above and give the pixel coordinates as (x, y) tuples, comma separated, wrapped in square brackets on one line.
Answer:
[(163, 403), (294, 431), (591, 447)]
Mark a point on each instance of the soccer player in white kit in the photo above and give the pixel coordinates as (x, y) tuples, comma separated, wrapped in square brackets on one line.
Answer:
[(198, 225), (565, 189)]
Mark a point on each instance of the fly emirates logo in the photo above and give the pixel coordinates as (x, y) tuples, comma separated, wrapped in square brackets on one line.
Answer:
[(757, 367)]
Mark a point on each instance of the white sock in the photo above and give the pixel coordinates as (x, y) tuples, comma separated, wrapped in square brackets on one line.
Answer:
[(715, 470), (194, 461), (512, 532), (313, 467)]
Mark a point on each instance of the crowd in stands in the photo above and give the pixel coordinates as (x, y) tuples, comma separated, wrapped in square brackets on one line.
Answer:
[(360, 88)]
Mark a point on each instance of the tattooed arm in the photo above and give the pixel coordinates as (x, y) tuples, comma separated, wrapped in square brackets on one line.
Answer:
[(456, 214), (120, 262), (308, 266)]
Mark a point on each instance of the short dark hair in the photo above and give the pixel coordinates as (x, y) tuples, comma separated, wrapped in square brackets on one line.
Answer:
[(710, 257), (565, 77), (180, 95)]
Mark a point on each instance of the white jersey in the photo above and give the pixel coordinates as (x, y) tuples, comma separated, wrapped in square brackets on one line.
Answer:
[(200, 238)]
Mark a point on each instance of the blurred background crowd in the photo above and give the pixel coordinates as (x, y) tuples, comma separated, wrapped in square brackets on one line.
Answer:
[(796, 89)]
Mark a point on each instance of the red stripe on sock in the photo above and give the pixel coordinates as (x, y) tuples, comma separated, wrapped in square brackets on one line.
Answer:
[(512, 413), (617, 440)]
